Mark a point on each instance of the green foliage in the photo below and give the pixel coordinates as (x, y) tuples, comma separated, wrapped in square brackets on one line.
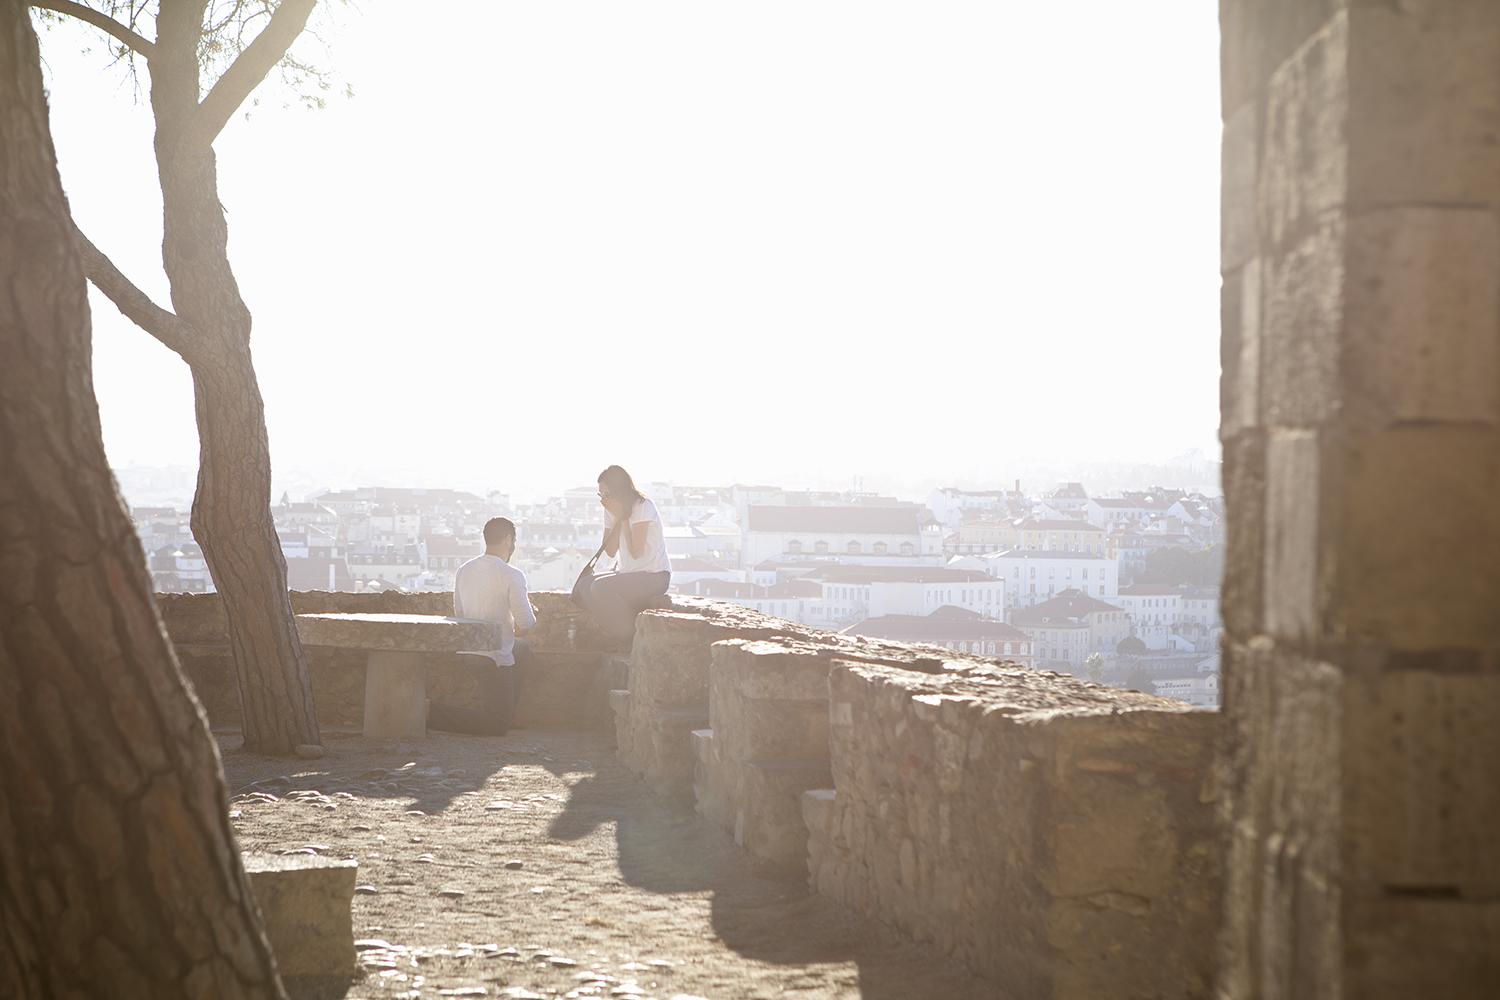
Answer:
[(1131, 646), (1138, 678), (1093, 667), (1174, 565)]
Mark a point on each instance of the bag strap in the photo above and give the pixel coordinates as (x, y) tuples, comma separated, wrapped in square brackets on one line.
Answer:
[(594, 560)]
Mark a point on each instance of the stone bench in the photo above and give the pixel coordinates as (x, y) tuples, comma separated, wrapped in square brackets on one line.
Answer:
[(395, 671), (306, 907)]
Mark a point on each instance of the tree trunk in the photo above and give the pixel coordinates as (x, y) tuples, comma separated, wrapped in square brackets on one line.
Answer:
[(232, 507), (119, 873)]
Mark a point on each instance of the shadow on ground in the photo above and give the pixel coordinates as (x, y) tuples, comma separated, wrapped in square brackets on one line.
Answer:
[(760, 911)]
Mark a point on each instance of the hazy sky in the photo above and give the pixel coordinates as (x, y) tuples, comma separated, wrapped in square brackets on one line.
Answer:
[(795, 242)]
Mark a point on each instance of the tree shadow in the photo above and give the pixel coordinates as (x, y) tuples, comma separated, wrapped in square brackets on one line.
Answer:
[(759, 910)]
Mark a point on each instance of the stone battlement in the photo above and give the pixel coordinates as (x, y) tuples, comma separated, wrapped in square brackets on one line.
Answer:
[(1055, 834)]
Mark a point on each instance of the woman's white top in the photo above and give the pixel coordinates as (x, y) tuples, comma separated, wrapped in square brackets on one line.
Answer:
[(653, 557)]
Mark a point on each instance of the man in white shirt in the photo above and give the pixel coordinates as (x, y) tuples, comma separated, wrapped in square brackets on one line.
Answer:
[(489, 587)]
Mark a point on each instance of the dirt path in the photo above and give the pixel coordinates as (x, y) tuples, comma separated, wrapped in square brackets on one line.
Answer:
[(534, 865)]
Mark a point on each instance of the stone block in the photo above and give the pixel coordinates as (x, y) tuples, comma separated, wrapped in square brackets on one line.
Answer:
[(1259, 35), (1426, 111), (1301, 328), (1239, 349), (305, 904), (670, 732), (399, 632), (1244, 479), (1421, 946), (669, 670), (764, 803), (1413, 577), (1293, 504), (1238, 161), (1423, 316), (769, 700), (1302, 177), (619, 702), (1422, 806)]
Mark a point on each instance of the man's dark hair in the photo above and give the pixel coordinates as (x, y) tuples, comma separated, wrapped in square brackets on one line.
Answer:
[(498, 529)]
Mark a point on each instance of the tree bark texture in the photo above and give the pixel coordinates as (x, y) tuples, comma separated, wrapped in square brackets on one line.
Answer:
[(232, 507), (119, 872)]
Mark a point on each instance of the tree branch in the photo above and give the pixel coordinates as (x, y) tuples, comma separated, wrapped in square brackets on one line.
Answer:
[(240, 79), (167, 327), (101, 21)]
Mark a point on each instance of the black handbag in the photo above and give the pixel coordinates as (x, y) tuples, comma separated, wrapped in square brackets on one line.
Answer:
[(586, 580)]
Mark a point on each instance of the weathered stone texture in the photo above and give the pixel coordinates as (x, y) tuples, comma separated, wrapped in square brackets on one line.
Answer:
[(1421, 581), (1425, 300), (569, 686), (1358, 764), (1057, 835), (415, 633), (669, 685), (768, 743), (1291, 534), (1424, 106), (305, 904), (1259, 35)]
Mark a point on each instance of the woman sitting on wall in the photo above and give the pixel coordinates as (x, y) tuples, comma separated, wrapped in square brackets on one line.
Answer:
[(633, 536)]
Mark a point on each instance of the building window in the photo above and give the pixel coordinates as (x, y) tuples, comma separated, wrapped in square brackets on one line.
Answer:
[(906, 548), (794, 547), (853, 548), (820, 547), (880, 548)]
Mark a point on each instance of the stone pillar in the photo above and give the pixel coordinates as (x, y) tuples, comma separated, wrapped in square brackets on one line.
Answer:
[(1361, 430)]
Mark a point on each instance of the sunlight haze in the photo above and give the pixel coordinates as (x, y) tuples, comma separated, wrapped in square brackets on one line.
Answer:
[(788, 243)]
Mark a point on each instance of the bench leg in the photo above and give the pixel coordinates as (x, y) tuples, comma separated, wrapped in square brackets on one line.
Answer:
[(395, 695)]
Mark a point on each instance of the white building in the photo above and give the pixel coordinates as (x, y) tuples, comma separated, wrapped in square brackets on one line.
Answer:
[(872, 536), (1106, 512), (1035, 576), (853, 593), (1152, 604), (949, 503), (1195, 689)]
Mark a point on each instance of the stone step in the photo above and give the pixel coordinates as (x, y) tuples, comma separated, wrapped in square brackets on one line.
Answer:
[(671, 729), (619, 700)]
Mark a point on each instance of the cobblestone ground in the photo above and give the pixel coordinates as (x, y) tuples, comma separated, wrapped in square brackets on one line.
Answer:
[(534, 865)]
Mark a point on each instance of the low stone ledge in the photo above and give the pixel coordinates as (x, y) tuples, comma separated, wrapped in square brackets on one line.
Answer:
[(306, 906), (1056, 835), (569, 689), (404, 632)]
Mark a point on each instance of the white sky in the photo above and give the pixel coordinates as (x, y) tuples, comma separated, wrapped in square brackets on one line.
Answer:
[(786, 242)]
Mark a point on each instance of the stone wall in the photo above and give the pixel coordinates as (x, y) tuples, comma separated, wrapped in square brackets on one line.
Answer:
[(1056, 835), (569, 686), (1361, 426)]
